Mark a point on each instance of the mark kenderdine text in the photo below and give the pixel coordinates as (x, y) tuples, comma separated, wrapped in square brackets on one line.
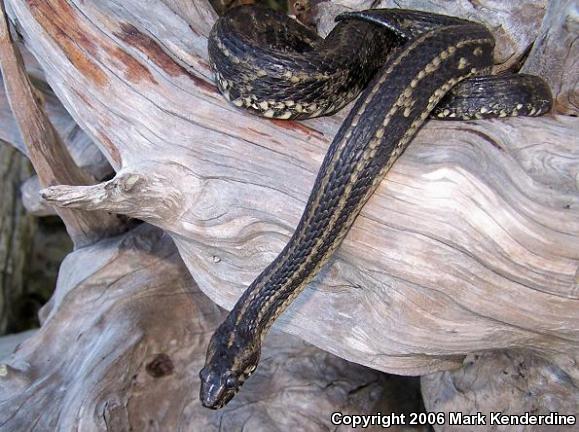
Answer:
[(451, 418)]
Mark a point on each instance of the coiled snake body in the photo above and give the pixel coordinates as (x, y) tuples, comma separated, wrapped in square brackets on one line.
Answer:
[(411, 64)]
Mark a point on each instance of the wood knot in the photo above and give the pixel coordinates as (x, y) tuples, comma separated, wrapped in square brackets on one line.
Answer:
[(160, 366)]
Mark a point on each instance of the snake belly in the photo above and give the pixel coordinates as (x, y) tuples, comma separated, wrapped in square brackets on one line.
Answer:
[(431, 55)]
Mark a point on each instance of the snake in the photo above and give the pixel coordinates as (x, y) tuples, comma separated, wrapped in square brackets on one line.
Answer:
[(403, 67)]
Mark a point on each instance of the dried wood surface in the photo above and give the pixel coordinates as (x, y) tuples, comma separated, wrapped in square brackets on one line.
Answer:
[(513, 382), (471, 243), (555, 55), (44, 146), (9, 344), (82, 149), (124, 338)]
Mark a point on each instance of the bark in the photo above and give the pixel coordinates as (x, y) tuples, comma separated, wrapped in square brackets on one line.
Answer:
[(16, 232)]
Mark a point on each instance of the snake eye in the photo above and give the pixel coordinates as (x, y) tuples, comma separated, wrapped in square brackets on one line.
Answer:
[(231, 382)]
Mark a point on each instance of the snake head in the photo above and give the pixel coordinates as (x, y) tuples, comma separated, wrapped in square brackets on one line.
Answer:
[(228, 364)]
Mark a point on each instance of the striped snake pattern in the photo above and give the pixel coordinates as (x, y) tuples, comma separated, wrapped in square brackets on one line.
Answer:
[(409, 66)]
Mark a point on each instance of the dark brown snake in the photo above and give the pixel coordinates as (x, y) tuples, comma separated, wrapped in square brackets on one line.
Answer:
[(411, 64)]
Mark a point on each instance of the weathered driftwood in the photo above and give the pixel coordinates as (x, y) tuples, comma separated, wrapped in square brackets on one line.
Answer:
[(513, 382), (16, 231), (44, 147), (9, 344), (131, 360), (555, 55), (83, 151), (469, 244)]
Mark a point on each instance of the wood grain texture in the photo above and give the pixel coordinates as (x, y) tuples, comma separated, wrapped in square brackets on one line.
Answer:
[(80, 146), (471, 242), (83, 151), (513, 383), (131, 360), (44, 146), (9, 343), (555, 54)]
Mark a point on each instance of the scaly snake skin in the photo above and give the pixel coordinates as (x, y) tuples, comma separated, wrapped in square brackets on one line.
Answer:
[(412, 65)]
